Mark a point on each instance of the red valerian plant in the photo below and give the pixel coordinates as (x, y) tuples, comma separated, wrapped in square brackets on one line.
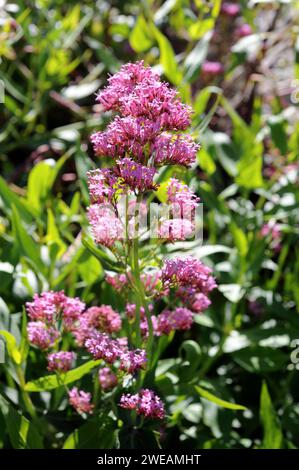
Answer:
[(160, 295)]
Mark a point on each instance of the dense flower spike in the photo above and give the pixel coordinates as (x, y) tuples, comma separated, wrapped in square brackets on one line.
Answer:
[(40, 335), (106, 227), (178, 319), (107, 379), (61, 361), (188, 272), (80, 400), (146, 403)]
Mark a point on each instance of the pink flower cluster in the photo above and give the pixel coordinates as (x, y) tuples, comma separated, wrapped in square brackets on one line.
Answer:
[(102, 346), (188, 272), (106, 226), (193, 282), (49, 307), (170, 320), (141, 138), (272, 230), (81, 401), (107, 379), (121, 282), (61, 361), (145, 403), (41, 335)]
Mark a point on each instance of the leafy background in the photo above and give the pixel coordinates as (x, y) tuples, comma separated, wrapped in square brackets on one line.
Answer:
[(54, 56)]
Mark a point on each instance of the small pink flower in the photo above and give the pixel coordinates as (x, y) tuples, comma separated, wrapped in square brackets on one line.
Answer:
[(174, 150), (171, 320), (230, 9), (107, 379), (188, 272), (136, 176), (180, 195), (105, 226), (102, 346), (40, 335), (145, 403), (243, 30), (61, 361), (80, 400), (212, 68), (176, 229), (103, 318), (131, 361)]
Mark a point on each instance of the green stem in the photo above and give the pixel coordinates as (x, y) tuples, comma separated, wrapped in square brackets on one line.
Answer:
[(26, 398)]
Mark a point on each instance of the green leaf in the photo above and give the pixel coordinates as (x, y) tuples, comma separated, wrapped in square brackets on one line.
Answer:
[(40, 182), (259, 359), (167, 57), (191, 356), (196, 57), (100, 254), (140, 37), (273, 437), (250, 150), (25, 244), (240, 239), (12, 347), (92, 435), (90, 269), (49, 382), (10, 199), (218, 401), (22, 433), (53, 236)]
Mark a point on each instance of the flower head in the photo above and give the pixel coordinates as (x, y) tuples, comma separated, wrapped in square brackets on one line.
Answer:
[(102, 346), (80, 400), (41, 335), (136, 176), (61, 361), (188, 272), (105, 226), (174, 149), (51, 306), (171, 320), (146, 403), (103, 318), (131, 361), (107, 379), (212, 68), (103, 185)]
